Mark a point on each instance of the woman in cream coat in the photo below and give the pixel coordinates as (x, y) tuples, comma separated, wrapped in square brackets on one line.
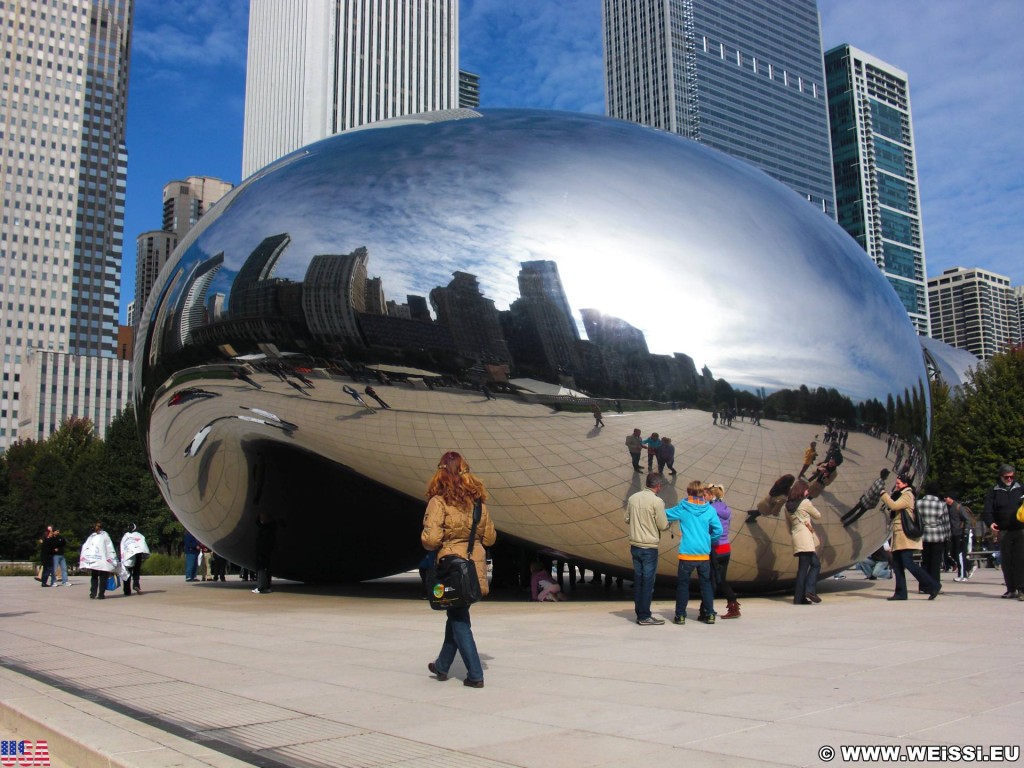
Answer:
[(800, 511), (453, 491), (903, 546)]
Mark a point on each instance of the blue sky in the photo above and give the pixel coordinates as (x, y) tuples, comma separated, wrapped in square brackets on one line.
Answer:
[(964, 59)]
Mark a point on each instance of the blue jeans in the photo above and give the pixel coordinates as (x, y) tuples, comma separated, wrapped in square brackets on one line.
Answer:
[(903, 561), (190, 566), (645, 565), (707, 591), (59, 562), (806, 576), (458, 636)]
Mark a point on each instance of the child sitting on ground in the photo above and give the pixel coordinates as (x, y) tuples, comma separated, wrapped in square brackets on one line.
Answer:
[(543, 588)]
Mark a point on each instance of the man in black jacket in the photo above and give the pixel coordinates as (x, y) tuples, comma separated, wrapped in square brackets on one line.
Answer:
[(1000, 515)]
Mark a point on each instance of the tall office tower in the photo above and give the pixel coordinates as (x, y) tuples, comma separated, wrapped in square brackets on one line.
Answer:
[(1018, 295), (877, 194), (469, 90), (317, 67), (743, 77), (102, 178), (62, 176), (184, 202), (974, 309)]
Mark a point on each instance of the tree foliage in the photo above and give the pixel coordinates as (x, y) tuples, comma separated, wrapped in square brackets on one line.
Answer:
[(73, 479), (978, 429)]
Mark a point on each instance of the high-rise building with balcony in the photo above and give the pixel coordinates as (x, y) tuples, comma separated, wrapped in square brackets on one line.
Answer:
[(469, 89), (974, 309), (743, 77), (878, 198), (317, 67), (63, 92)]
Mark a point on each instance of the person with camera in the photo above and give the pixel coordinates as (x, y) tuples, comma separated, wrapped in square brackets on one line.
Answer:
[(903, 547), (448, 524)]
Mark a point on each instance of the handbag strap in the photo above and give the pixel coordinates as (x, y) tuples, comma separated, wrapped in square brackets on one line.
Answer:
[(472, 531)]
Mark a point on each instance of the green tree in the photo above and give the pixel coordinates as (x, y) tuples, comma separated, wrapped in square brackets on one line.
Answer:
[(979, 428)]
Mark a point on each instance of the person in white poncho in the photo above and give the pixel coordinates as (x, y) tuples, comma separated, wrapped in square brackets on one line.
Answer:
[(98, 558), (133, 551)]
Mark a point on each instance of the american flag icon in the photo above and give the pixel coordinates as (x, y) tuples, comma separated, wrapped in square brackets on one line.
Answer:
[(24, 753)]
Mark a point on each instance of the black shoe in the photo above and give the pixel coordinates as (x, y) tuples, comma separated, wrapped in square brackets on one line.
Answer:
[(933, 595), (100, 597), (44, 585), (1009, 595), (872, 578), (442, 676), (473, 683), (813, 598), (895, 598)]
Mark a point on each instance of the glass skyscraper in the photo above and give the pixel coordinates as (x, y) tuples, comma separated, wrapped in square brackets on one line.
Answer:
[(743, 77), (877, 193)]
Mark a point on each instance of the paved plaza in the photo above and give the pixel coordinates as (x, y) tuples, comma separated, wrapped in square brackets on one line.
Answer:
[(209, 674)]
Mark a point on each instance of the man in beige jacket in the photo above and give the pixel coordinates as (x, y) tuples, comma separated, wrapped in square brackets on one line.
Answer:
[(645, 514)]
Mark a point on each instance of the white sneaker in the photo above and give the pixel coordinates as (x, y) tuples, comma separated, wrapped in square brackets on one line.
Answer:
[(257, 591)]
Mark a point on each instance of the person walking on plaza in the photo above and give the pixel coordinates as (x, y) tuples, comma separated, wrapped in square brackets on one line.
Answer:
[(448, 524), (903, 547), (635, 446), (961, 532), (598, 416), (373, 393), (645, 516), (721, 551), (800, 512), (935, 522), (100, 559), (46, 557), (191, 547), (698, 527), (1000, 516), (667, 456), (266, 539), (134, 550), (60, 545)]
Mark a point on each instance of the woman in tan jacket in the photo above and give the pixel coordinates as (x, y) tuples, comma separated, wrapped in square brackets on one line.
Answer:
[(447, 523), (800, 511), (903, 546)]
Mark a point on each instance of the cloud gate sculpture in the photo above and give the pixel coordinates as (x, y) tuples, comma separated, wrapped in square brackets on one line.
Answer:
[(479, 281)]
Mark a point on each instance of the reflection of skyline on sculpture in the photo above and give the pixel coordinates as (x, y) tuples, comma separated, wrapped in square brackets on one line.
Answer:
[(588, 263), (574, 217)]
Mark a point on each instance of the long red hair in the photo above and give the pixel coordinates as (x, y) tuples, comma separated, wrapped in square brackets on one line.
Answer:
[(454, 483)]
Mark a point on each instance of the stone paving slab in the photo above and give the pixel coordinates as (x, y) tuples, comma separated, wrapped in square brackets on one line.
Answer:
[(210, 674)]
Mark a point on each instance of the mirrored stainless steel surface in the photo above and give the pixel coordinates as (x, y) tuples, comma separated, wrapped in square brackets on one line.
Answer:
[(492, 278)]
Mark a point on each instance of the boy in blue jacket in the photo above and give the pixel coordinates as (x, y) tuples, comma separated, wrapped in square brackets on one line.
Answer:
[(699, 526)]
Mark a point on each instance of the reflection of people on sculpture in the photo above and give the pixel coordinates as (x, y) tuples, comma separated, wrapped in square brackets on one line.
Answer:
[(596, 410), (698, 527), (653, 443), (772, 503), (373, 393), (721, 551), (487, 392), (355, 396), (868, 501), (447, 527), (667, 456), (635, 446), (809, 456), (903, 546), (243, 376), (800, 511), (823, 476)]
